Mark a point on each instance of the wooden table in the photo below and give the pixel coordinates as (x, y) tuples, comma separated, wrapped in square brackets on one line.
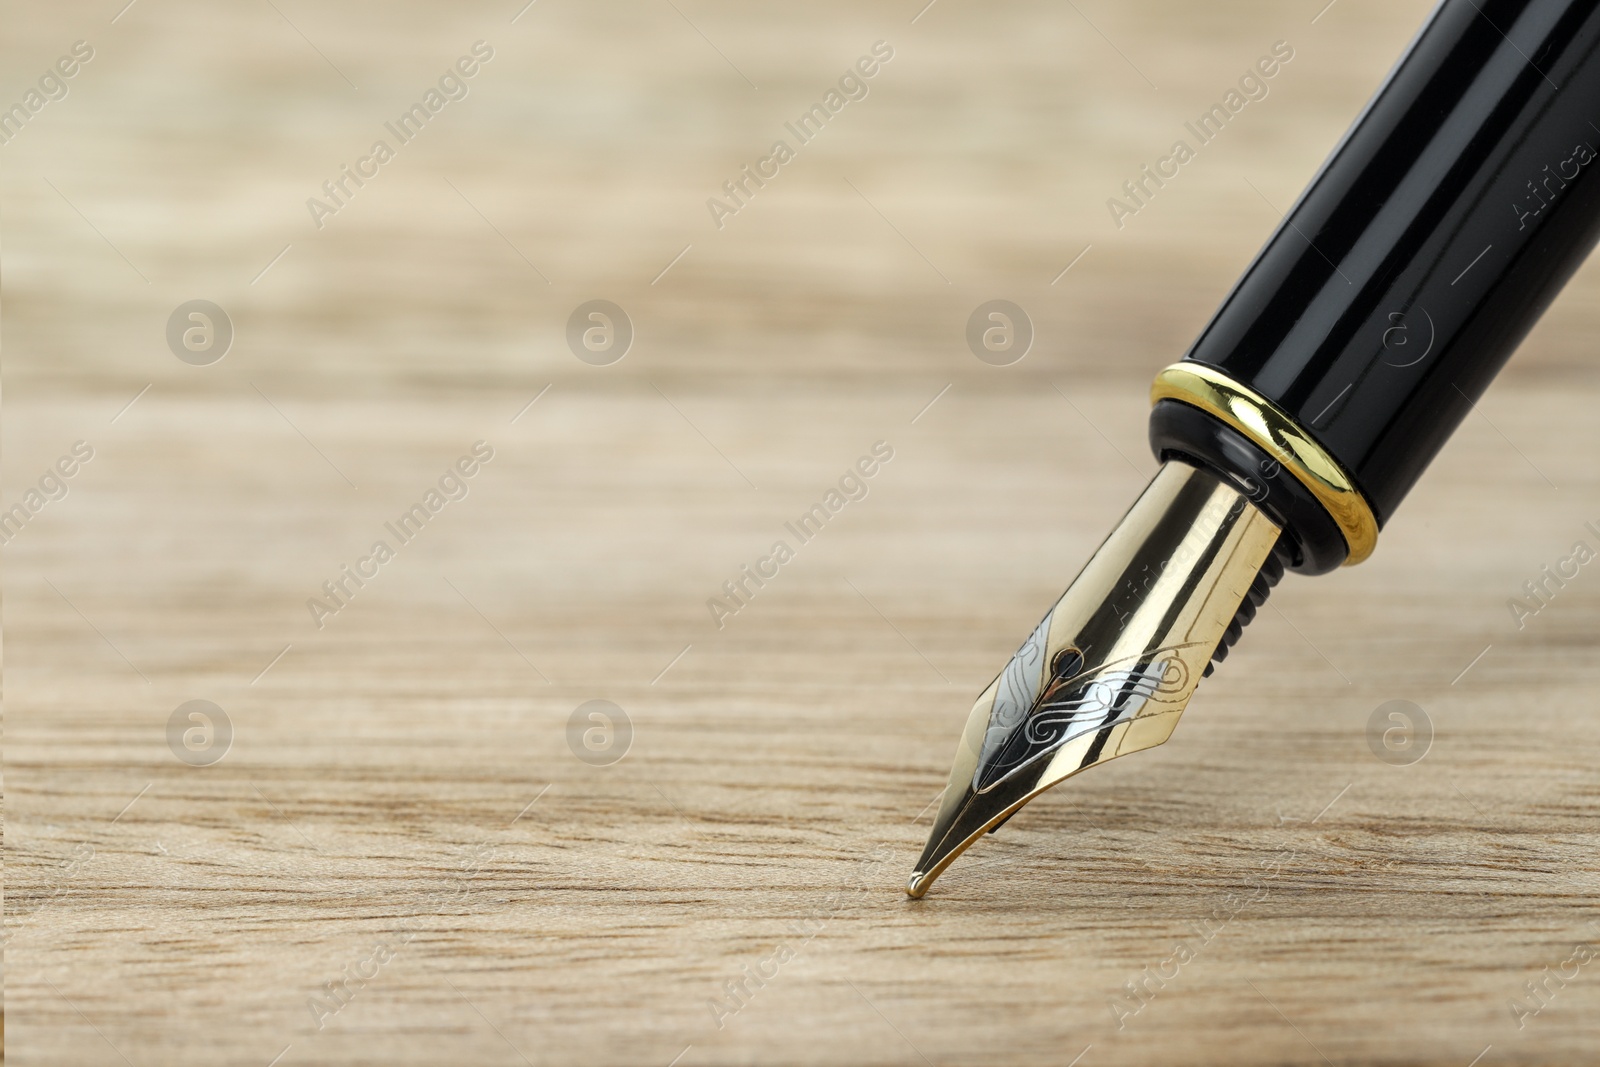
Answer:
[(404, 809)]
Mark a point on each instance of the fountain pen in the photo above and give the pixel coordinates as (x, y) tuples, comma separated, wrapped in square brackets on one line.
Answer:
[(1434, 236)]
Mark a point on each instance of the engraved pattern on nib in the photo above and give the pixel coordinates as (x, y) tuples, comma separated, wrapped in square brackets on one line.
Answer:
[(1109, 699), (1085, 702), (1016, 690)]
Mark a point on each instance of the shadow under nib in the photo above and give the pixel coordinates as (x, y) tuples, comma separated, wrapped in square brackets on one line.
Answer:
[(1111, 667)]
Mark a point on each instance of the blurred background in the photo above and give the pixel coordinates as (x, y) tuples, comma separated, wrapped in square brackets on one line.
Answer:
[(410, 785)]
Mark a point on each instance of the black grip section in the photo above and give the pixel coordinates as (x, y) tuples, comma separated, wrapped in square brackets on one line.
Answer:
[(1433, 238), (1311, 541)]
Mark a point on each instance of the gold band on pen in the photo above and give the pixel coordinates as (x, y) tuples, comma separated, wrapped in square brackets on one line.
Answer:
[(1275, 432)]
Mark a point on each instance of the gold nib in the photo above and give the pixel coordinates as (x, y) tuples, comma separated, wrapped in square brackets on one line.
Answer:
[(1111, 667)]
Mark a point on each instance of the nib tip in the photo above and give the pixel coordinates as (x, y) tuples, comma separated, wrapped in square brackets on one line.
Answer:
[(917, 884)]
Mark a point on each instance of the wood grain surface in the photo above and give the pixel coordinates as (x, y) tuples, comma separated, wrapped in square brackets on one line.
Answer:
[(405, 811)]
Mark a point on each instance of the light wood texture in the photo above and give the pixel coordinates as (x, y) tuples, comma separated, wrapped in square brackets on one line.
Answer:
[(402, 777)]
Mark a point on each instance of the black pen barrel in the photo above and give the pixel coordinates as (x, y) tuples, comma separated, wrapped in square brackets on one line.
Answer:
[(1435, 235)]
